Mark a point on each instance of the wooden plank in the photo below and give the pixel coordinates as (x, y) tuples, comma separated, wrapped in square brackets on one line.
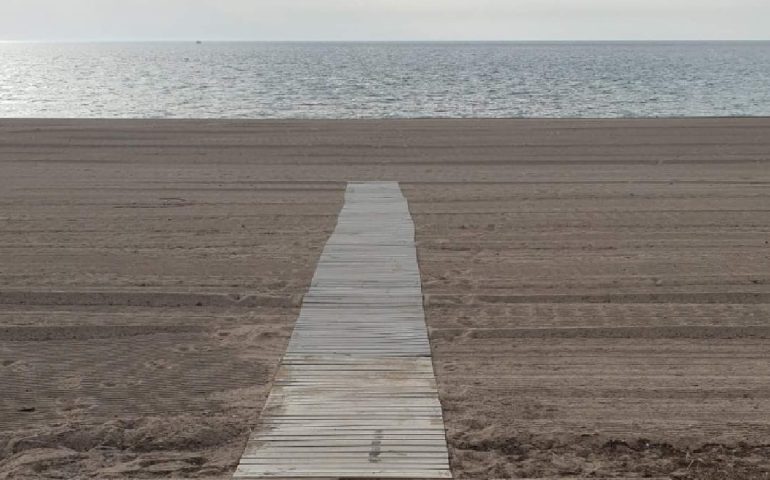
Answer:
[(318, 473), (355, 395)]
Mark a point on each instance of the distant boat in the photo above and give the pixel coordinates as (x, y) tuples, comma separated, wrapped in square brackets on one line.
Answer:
[(199, 42)]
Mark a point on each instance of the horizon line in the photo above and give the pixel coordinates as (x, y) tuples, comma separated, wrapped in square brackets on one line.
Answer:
[(194, 40)]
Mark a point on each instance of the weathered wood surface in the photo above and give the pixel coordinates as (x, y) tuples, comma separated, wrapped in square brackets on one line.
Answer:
[(355, 395)]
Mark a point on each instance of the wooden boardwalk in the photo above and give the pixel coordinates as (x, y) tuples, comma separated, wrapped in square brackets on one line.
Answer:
[(355, 395)]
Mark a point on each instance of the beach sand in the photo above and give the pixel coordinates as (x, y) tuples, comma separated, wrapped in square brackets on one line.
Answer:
[(598, 291)]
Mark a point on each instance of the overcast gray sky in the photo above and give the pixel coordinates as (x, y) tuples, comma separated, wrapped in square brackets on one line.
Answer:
[(383, 19)]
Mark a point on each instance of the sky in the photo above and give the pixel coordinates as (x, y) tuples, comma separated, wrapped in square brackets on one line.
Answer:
[(378, 20)]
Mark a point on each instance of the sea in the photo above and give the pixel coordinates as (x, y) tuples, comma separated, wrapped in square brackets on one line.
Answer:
[(384, 80)]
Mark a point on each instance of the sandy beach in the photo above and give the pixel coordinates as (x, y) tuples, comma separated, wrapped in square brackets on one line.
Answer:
[(597, 291)]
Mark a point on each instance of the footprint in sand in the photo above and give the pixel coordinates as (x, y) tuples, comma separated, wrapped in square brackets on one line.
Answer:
[(78, 406), (157, 364)]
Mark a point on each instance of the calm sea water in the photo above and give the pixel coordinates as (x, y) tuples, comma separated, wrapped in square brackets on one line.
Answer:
[(326, 80)]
